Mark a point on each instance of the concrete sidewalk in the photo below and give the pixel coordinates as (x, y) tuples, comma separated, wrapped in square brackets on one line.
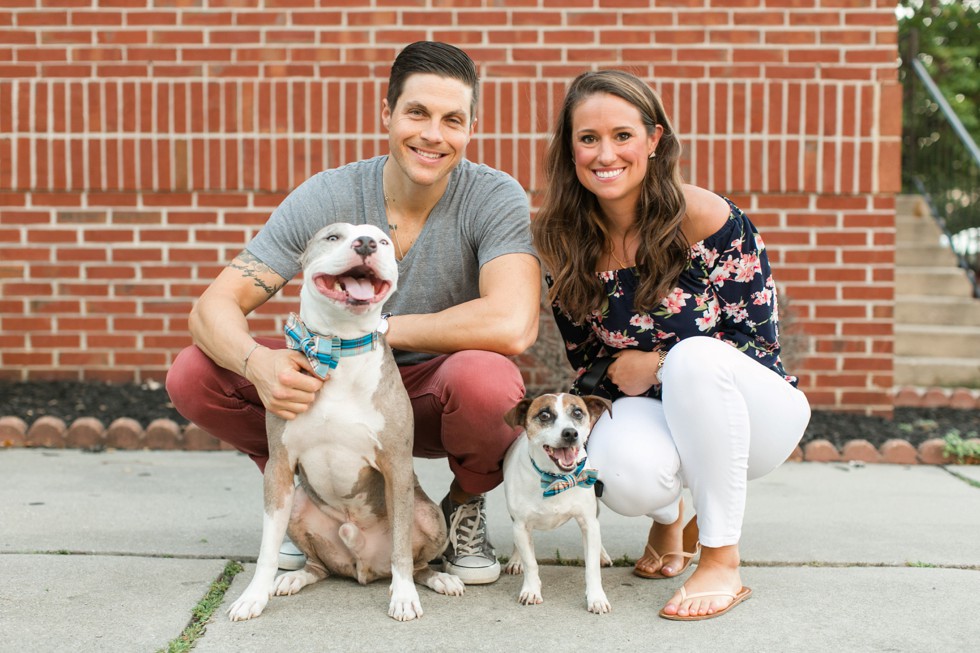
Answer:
[(112, 551)]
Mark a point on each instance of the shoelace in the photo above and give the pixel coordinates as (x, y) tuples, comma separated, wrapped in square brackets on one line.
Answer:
[(468, 521)]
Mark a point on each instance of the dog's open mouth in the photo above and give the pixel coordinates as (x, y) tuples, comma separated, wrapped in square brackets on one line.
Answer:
[(566, 458), (357, 286)]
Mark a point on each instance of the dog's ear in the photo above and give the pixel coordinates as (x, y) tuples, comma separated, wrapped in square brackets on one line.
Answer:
[(596, 406), (515, 416)]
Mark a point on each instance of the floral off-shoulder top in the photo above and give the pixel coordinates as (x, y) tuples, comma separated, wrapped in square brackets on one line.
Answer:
[(726, 292)]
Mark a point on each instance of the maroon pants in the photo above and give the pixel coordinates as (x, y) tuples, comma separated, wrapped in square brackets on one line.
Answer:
[(459, 402)]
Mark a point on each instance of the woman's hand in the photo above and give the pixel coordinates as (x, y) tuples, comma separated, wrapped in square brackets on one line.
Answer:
[(634, 371)]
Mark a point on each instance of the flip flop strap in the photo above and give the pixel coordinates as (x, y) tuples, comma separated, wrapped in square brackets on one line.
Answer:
[(650, 551), (700, 595), (682, 554)]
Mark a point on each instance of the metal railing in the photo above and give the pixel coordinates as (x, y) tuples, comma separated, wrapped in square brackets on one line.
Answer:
[(941, 161)]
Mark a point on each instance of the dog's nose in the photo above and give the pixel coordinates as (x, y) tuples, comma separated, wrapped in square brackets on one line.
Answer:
[(365, 245), (569, 435)]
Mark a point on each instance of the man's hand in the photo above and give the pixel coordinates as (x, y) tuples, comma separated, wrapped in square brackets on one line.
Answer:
[(634, 371), (284, 380)]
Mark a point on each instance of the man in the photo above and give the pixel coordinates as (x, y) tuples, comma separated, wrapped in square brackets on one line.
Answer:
[(467, 297)]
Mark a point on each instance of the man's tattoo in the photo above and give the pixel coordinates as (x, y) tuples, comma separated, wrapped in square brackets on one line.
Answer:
[(251, 268)]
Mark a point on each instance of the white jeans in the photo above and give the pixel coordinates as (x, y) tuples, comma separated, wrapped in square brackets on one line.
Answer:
[(724, 419)]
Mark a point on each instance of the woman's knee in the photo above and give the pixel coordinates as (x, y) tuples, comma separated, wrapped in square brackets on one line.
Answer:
[(692, 358), (636, 459), (778, 424), (652, 489)]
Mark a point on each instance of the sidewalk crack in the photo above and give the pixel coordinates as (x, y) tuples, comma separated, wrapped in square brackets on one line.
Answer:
[(202, 612), (966, 479)]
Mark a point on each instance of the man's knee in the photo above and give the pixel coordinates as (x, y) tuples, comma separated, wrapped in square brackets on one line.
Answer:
[(483, 378), (186, 376)]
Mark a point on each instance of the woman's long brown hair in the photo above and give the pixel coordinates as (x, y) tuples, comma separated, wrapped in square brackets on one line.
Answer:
[(569, 232)]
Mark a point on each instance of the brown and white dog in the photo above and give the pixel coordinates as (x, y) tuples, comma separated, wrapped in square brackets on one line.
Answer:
[(359, 510), (546, 483)]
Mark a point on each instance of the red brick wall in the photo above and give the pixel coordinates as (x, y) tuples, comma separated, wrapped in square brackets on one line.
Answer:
[(142, 143)]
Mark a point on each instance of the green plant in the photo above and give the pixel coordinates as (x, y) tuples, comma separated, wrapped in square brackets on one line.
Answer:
[(947, 33), (960, 448), (202, 612), (624, 561), (566, 562)]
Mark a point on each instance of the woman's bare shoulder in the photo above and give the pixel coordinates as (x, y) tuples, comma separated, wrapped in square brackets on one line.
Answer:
[(706, 213)]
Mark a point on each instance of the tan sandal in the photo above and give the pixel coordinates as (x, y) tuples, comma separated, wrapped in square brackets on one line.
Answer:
[(743, 594), (692, 547)]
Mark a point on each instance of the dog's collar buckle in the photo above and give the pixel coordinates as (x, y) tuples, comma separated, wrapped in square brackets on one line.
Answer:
[(324, 352), (557, 483)]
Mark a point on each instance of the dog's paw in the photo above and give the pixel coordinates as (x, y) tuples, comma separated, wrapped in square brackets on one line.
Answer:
[(598, 604), (405, 604), (530, 596), (248, 606), (405, 609), (292, 582), (514, 567), (447, 584), (604, 559)]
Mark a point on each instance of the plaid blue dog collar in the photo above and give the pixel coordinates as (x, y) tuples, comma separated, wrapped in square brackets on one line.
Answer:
[(325, 352), (557, 483)]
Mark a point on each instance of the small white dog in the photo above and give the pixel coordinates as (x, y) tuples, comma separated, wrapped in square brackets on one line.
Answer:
[(546, 483)]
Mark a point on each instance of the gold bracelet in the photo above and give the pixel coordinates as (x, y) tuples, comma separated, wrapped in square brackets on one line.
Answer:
[(247, 356), (660, 366)]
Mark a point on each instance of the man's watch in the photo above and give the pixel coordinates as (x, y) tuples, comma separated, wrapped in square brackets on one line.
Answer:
[(383, 324)]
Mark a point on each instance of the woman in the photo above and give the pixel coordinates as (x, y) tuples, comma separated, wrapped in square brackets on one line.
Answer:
[(672, 282)]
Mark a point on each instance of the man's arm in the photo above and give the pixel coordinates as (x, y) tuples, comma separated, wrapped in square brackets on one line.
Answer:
[(504, 319), (219, 328)]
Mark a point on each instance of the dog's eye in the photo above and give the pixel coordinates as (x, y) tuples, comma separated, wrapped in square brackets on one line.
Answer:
[(577, 413), (331, 238), (385, 242), (545, 416)]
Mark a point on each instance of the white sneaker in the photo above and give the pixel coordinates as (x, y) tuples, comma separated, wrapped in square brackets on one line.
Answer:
[(469, 554), (290, 557)]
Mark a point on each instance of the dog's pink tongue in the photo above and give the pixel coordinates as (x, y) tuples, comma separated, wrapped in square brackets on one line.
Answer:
[(566, 456), (358, 288)]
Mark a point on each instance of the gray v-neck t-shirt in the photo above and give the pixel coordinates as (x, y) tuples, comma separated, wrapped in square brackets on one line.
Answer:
[(483, 214)]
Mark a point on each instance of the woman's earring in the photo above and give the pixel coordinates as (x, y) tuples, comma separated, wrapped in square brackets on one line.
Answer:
[(653, 155)]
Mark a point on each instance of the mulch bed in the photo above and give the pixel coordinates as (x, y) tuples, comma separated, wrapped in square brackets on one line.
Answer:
[(69, 400)]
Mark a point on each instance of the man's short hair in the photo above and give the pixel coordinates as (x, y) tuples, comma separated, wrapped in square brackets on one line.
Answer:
[(434, 58)]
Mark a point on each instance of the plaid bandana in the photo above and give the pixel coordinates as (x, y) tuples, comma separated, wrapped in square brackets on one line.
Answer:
[(324, 352), (557, 483)]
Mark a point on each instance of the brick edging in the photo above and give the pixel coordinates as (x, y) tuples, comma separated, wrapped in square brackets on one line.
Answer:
[(122, 433), (166, 435), (934, 397), (895, 451)]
